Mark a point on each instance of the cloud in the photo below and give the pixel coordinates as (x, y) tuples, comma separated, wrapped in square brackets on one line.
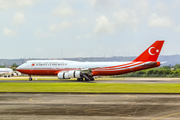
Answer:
[(8, 32), (101, 2), (23, 3), (176, 4), (4, 4), (141, 5), (80, 37), (161, 6), (156, 21), (63, 25), (121, 16), (63, 10), (103, 25), (124, 19), (7, 4), (19, 18), (178, 29), (39, 33)]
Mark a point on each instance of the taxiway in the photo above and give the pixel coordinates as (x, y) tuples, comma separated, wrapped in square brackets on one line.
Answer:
[(89, 106)]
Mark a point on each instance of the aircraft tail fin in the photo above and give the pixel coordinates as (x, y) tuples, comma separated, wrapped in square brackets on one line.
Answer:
[(152, 53)]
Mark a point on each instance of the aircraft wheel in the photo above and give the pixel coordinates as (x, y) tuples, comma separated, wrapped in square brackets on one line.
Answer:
[(78, 79), (92, 79), (86, 79), (30, 79)]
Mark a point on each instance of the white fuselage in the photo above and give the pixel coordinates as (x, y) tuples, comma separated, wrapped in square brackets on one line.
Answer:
[(53, 67)]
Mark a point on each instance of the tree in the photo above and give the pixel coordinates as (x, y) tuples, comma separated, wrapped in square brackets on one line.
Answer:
[(165, 67), (177, 66), (14, 66)]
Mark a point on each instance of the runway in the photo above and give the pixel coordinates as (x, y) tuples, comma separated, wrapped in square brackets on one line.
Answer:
[(96, 81), (89, 106)]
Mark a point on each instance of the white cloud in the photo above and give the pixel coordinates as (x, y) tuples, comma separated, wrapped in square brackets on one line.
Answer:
[(122, 16), (178, 29), (8, 32), (161, 6), (39, 33), (19, 18), (176, 4), (82, 21), (93, 2), (83, 37), (124, 19), (141, 5), (23, 3), (7, 4), (53, 27), (63, 25), (63, 10), (103, 25), (101, 2), (4, 4), (156, 21)]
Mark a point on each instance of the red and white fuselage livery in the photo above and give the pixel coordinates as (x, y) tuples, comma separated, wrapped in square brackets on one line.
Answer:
[(65, 69)]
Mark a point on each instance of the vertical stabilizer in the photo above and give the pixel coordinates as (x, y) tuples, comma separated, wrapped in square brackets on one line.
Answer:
[(152, 53)]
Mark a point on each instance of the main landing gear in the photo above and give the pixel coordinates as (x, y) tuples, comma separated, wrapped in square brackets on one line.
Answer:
[(84, 76), (30, 78), (82, 79)]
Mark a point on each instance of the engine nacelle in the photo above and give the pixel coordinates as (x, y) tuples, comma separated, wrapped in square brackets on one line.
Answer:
[(16, 74), (74, 74), (63, 75), (69, 74)]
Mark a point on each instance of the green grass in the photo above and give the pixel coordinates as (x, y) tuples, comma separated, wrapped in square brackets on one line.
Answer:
[(90, 87)]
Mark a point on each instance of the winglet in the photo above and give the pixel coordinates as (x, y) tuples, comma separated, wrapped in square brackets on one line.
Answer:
[(152, 53)]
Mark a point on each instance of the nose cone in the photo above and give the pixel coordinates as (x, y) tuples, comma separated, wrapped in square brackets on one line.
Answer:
[(19, 68)]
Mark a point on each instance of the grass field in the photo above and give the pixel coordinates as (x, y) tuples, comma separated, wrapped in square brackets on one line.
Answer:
[(90, 87)]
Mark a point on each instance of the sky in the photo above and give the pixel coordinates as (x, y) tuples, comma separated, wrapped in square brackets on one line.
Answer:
[(87, 28)]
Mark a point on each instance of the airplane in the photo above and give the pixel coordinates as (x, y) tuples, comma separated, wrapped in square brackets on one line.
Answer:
[(65, 69), (7, 72)]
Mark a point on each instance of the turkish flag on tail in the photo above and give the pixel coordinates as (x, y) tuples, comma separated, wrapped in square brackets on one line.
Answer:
[(152, 53)]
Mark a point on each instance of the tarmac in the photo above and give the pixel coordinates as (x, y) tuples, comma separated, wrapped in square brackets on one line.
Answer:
[(59, 106), (21, 106)]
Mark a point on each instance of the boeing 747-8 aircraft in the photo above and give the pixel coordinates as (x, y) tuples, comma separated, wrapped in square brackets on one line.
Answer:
[(65, 69)]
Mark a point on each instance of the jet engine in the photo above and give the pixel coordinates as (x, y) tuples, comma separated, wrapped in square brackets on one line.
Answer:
[(69, 74), (16, 74)]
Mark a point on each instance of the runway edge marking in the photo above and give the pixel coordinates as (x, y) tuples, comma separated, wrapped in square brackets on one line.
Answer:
[(166, 116)]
